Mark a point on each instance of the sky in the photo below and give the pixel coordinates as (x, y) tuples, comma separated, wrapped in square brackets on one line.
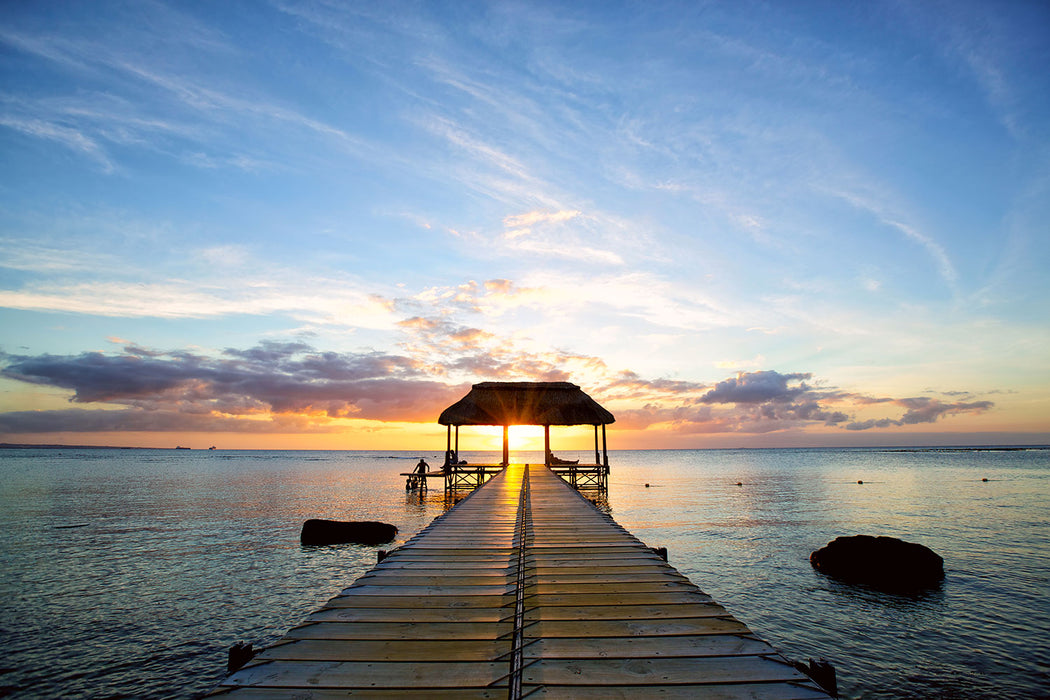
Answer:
[(313, 224)]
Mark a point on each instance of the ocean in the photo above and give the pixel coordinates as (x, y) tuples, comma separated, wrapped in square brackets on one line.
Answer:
[(129, 573)]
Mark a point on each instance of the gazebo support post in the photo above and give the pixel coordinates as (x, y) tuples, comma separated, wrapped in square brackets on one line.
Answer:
[(506, 446), (447, 469), (457, 442), (448, 445), (605, 459), (547, 445), (597, 457)]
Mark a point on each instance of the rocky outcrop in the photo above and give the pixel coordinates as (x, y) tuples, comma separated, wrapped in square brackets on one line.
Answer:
[(337, 532), (886, 563)]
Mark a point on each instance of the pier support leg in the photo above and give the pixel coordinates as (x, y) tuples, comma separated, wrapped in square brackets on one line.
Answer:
[(506, 446), (448, 444), (547, 445), (597, 457)]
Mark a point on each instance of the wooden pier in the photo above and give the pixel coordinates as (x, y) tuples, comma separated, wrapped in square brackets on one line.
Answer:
[(523, 589)]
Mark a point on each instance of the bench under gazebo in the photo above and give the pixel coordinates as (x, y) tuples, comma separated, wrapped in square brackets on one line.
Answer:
[(525, 403)]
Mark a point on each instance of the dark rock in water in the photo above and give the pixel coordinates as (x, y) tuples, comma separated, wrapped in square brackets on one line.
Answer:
[(337, 532), (886, 563)]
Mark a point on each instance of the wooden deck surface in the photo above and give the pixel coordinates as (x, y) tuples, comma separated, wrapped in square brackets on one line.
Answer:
[(522, 589)]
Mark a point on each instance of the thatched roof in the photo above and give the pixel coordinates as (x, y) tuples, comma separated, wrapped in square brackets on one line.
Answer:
[(525, 403)]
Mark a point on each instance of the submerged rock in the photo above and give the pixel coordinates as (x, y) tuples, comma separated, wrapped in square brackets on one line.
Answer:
[(338, 532), (886, 563)]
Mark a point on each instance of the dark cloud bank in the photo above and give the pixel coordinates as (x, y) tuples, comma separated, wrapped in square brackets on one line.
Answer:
[(301, 387), (294, 388)]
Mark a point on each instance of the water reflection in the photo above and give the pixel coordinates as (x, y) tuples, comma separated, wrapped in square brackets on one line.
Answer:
[(432, 501), (211, 540)]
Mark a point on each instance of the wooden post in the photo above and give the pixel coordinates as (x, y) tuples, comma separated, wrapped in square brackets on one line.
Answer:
[(457, 442), (547, 445), (506, 445), (238, 655), (605, 451), (448, 442), (597, 457), (449, 468)]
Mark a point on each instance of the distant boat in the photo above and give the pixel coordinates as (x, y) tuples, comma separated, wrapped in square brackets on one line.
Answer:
[(212, 447), (180, 447)]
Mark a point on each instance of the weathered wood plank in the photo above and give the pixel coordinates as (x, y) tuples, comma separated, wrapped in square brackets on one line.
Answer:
[(402, 630), (735, 691), (387, 650), (444, 614), (596, 589), (409, 590), (549, 629), (367, 675), (442, 603), (620, 647), (674, 671), (257, 693), (618, 599), (625, 612), (390, 579)]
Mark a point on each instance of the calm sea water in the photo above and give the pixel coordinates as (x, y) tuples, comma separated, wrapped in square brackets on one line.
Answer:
[(129, 573)]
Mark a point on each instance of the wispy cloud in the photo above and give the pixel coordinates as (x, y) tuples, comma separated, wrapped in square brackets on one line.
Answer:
[(882, 211), (186, 106), (67, 136), (182, 299)]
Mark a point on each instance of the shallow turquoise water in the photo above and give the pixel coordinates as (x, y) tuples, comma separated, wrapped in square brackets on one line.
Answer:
[(182, 554)]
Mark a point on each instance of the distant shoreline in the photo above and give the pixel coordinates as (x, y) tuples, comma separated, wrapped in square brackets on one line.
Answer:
[(882, 448), (28, 446)]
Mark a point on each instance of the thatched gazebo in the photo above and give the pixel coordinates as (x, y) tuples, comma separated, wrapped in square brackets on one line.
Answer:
[(526, 403)]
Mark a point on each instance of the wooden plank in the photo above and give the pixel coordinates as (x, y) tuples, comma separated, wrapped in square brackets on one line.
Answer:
[(442, 603), (411, 615), (674, 611), (465, 551), (599, 569), (408, 590), (611, 564), (387, 650), (620, 647), (447, 563), (618, 599), (256, 693), (499, 572), (351, 674), (402, 630), (674, 671), (713, 691), (502, 580), (597, 576), (549, 629), (597, 589)]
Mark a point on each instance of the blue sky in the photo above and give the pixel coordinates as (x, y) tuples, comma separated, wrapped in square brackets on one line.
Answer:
[(313, 223)]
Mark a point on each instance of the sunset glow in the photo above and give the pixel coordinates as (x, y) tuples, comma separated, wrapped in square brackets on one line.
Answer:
[(309, 225)]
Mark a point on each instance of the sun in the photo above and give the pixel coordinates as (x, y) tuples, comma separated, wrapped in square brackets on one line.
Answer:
[(522, 438), (525, 437)]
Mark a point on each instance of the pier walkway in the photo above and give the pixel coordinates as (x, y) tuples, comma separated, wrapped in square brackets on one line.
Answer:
[(523, 589)]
